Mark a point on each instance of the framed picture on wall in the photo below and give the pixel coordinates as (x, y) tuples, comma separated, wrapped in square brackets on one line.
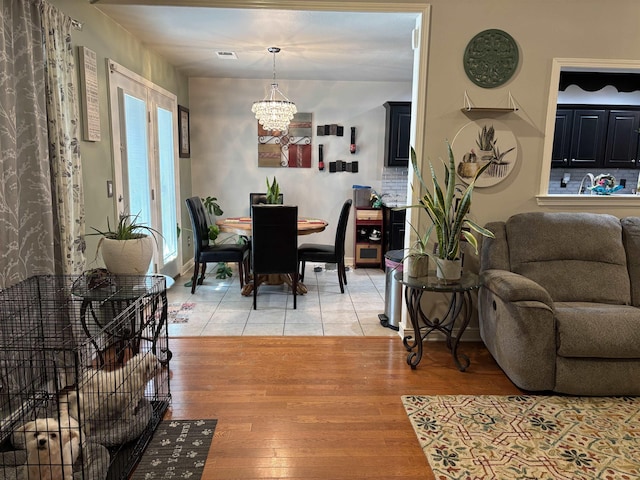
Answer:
[(184, 140)]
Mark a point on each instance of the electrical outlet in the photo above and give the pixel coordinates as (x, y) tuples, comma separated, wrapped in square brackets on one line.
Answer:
[(188, 240)]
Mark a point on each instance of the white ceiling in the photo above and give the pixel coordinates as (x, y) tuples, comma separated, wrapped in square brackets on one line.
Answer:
[(316, 45)]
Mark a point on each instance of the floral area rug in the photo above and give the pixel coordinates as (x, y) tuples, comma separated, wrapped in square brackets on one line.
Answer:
[(528, 437), (178, 449), (179, 312)]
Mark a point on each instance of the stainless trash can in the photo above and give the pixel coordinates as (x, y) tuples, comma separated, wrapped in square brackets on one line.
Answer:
[(392, 290)]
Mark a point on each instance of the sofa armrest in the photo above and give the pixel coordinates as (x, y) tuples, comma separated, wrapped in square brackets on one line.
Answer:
[(512, 287), (516, 317)]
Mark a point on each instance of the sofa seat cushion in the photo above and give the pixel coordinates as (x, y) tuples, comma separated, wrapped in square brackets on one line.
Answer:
[(597, 330)]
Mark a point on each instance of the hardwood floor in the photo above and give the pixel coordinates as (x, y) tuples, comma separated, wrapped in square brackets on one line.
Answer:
[(316, 407)]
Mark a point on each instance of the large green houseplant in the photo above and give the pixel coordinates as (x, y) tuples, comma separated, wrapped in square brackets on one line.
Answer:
[(447, 205)]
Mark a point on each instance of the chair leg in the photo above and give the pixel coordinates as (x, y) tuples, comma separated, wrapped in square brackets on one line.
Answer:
[(241, 272), (255, 291), (203, 268), (247, 270), (344, 271), (194, 279), (295, 290), (340, 279), (304, 264)]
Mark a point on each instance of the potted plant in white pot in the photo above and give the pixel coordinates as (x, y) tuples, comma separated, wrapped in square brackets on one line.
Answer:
[(447, 207), (127, 249)]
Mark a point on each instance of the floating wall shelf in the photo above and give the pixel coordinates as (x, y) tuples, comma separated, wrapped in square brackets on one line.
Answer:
[(469, 107)]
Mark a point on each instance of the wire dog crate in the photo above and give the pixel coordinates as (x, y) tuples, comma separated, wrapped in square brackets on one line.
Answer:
[(84, 377)]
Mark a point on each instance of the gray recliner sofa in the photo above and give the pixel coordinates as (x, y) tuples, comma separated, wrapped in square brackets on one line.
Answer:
[(559, 308)]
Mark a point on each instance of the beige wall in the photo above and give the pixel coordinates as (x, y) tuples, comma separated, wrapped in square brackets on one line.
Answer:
[(543, 30)]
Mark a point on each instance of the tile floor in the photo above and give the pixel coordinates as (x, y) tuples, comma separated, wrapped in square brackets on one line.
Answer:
[(220, 309)]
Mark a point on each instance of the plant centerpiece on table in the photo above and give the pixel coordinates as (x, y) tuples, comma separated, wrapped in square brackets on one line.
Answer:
[(273, 192), (127, 249), (447, 207)]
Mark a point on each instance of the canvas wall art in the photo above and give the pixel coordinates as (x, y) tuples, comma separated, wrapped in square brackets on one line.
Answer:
[(481, 142), (289, 149)]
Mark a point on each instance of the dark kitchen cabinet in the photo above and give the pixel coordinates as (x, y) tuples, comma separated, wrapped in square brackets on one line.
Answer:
[(394, 227), (562, 138), (622, 139), (588, 138), (599, 136), (397, 132)]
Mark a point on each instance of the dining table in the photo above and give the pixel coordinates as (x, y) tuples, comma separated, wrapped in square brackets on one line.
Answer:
[(242, 226)]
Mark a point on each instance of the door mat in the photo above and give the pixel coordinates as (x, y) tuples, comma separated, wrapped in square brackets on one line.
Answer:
[(179, 448), (528, 437)]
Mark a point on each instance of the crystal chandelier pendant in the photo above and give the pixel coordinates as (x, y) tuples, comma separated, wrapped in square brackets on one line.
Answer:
[(276, 111)]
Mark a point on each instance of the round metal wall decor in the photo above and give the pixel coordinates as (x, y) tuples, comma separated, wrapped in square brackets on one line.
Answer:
[(491, 58)]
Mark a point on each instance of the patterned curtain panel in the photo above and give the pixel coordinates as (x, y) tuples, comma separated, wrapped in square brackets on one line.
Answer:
[(66, 168), (26, 215)]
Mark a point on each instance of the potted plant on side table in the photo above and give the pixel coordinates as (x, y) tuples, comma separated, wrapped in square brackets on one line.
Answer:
[(127, 249), (447, 206)]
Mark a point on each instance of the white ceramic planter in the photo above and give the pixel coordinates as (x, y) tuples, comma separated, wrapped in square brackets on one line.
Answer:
[(127, 257), (449, 270)]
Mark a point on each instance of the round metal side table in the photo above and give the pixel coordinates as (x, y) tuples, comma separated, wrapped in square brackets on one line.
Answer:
[(460, 307)]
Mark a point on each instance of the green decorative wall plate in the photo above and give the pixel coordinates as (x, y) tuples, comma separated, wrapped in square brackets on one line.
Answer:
[(491, 58)]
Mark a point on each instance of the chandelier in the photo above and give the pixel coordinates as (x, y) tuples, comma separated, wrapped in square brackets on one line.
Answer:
[(276, 110)]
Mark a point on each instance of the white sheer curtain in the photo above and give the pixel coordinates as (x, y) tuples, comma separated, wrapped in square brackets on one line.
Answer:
[(64, 153)]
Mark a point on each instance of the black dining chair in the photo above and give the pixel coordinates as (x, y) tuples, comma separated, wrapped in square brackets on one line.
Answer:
[(312, 252), (274, 243), (206, 252), (261, 199)]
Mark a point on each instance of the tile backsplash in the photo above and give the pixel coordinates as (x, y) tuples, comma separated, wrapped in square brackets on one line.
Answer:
[(394, 185), (577, 174)]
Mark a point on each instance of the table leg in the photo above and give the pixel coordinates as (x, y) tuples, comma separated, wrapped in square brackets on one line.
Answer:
[(459, 304), (466, 301), (247, 290), (302, 289), (273, 279), (412, 298)]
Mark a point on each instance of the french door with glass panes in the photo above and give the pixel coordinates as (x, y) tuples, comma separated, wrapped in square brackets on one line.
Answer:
[(145, 160)]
